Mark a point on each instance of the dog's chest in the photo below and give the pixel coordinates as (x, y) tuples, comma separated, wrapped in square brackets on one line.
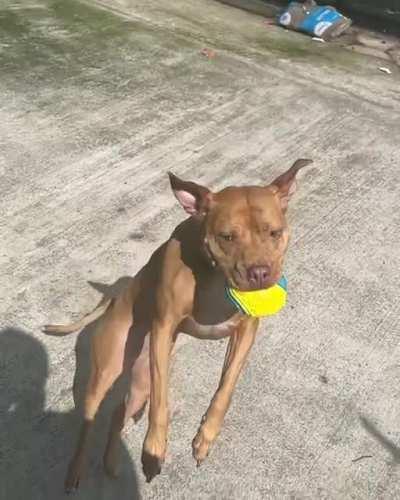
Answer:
[(209, 331), (211, 306)]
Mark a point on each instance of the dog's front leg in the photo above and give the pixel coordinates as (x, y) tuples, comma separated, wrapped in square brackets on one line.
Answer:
[(238, 348), (174, 301), (155, 443)]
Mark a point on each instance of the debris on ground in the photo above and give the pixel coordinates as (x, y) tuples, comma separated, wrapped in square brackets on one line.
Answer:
[(392, 12), (208, 53), (270, 21), (318, 39), (385, 70), (309, 17), (387, 45), (361, 458), (323, 379), (372, 44)]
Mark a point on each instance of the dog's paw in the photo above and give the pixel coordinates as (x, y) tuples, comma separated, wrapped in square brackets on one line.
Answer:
[(201, 446), (73, 478), (151, 465)]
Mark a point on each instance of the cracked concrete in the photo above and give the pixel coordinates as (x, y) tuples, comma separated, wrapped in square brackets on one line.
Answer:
[(98, 101)]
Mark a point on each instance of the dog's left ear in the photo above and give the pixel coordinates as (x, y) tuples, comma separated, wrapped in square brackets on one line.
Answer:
[(195, 199), (286, 183)]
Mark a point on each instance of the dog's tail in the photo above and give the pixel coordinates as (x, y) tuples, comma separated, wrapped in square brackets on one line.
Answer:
[(78, 325)]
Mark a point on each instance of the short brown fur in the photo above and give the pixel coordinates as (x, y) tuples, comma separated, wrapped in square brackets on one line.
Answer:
[(237, 236)]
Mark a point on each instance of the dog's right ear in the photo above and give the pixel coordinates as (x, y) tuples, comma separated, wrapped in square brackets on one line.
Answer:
[(195, 199)]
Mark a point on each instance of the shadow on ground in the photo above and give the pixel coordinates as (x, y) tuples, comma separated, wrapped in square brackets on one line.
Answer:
[(384, 441), (36, 444)]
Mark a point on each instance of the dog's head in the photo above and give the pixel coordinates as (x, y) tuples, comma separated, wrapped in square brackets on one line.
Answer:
[(245, 228)]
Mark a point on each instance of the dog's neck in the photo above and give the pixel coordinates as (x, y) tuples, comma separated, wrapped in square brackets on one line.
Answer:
[(205, 246), (208, 253), (195, 248)]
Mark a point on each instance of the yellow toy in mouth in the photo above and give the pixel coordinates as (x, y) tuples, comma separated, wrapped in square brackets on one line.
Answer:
[(260, 303)]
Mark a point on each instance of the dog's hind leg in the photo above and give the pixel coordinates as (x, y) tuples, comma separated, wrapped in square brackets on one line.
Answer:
[(133, 406), (107, 360)]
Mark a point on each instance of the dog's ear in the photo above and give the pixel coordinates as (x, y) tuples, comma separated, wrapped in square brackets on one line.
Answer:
[(195, 199), (286, 183)]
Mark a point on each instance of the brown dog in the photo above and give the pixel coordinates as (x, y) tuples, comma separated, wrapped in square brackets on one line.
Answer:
[(237, 236)]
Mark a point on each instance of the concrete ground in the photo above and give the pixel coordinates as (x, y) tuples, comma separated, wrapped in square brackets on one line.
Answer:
[(96, 104)]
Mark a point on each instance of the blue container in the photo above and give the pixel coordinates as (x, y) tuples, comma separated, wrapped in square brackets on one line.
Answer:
[(313, 19)]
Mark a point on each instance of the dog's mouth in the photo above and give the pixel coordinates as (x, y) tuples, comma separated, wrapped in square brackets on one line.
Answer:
[(239, 281), (250, 288)]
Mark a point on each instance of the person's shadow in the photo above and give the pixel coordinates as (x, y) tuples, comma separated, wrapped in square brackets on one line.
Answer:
[(382, 439), (36, 445)]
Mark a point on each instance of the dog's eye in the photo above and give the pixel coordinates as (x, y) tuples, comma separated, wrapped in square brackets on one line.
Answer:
[(227, 236), (276, 234)]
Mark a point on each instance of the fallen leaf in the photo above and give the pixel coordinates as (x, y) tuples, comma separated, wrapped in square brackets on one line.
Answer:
[(269, 22), (208, 53)]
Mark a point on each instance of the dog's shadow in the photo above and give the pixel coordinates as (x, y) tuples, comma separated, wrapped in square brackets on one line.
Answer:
[(82, 354), (36, 444)]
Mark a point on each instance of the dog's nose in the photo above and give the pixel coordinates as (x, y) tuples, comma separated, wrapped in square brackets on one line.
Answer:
[(258, 276)]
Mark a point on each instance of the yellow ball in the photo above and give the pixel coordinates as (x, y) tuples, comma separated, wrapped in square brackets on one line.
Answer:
[(260, 303)]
